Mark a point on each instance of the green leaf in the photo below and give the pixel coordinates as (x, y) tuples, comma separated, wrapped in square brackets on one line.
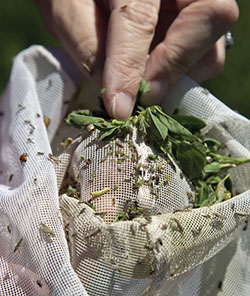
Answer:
[(229, 160), (190, 122), (212, 144), (142, 125), (144, 87), (109, 134), (157, 128), (191, 158), (81, 121), (173, 126), (204, 194), (216, 167)]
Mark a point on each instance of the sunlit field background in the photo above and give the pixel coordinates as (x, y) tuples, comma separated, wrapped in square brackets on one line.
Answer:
[(21, 26)]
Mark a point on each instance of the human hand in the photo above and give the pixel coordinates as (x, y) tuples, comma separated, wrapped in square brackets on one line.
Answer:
[(111, 40)]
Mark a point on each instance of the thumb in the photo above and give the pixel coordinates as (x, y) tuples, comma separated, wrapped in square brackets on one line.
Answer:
[(130, 32)]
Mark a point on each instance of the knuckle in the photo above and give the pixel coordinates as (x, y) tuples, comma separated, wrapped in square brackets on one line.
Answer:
[(179, 62), (224, 11), (142, 15)]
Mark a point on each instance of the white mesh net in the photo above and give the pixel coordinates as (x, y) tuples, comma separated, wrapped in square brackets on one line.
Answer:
[(55, 244)]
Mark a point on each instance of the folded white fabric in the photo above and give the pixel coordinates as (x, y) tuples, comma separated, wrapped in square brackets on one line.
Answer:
[(210, 256)]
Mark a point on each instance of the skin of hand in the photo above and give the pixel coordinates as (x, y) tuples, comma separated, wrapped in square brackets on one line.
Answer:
[(117, 42)]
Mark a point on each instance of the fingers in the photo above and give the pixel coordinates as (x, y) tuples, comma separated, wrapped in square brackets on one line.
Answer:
[(191, 35), (211, 64), (130, 32), (81, 27)]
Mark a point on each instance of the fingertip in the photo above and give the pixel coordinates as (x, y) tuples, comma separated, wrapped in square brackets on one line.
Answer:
[(122, 106)]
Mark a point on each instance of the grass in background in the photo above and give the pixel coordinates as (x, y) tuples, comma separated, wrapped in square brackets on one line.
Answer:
[(21, 26)]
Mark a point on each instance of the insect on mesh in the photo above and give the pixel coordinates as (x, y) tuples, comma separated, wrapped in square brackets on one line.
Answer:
[(56, 243)]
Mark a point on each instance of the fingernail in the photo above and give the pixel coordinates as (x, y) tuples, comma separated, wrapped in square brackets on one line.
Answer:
[(123, 106), (158, 89)]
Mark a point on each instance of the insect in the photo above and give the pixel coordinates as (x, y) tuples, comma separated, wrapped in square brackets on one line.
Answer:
[(8, 228), (158, 243), (205, 91), (47, 230), (23, 157), (40, 153), (18, 244), (220, 285), (46, 121), (21, 106), (133, 229), (100, 213), (176, 226), (246, 226), (67, 142), (30, 140), (196, 232), (100, 192), (54, 158), (10, 177), (93, 233), (90, 128)]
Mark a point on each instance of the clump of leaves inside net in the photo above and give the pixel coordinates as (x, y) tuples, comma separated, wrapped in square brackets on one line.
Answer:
[(178, 135)]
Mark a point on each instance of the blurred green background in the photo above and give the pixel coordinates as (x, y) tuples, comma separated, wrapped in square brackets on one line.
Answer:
[(21, 26)]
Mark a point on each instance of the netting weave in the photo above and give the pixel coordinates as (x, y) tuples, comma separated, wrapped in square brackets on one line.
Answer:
[(55, 244)]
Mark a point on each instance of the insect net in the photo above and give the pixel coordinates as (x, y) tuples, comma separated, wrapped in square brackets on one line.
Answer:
[(53, 242)]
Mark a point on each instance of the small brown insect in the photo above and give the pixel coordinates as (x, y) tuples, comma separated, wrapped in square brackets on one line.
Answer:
[(92, 233), (18, 244), (23, 157), (176, 225), (102, 214), (196, 232), (21, 106), (30, 140), (40, 153), (46, 121), (246, 226), (133, 229), (181, 175), (8, 228), (10, 177)]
